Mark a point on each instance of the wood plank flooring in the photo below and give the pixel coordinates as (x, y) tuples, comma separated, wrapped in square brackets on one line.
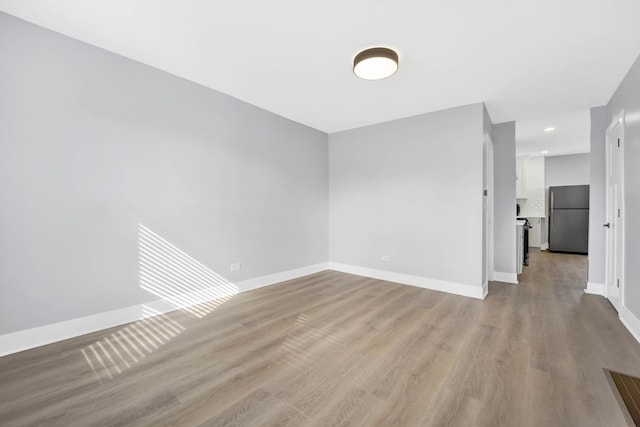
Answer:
[(336, 349)]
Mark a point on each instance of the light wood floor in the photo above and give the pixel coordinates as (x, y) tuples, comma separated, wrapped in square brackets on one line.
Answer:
[(336, 349)]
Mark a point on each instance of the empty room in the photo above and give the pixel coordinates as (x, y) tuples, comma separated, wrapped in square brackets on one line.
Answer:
[(361, 213)]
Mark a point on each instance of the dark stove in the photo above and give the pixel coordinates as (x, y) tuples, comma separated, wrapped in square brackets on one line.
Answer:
[(525, 240)]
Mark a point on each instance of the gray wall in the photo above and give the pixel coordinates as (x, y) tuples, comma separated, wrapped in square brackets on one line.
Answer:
[(411, 189), (627, 98), (597, 195), (504, 153), (571, 169), (93, 144)]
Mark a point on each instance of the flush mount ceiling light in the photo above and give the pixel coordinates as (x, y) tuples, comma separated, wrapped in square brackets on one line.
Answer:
[(375, 63), (549, 129), (544, 151)]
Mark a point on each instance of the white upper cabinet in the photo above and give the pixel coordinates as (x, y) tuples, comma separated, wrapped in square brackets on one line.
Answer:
[(521, 178), (535, 173), (530, 186)]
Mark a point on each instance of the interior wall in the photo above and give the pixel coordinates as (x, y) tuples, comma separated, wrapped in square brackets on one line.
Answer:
[(504, 149), (597, 196), (410, 189), (94, 146), (627, 98), (570, 169)]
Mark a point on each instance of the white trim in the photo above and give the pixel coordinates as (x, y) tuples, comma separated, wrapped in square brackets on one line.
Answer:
[(618, 120), (499, 276), (485, 289), (623, 213), (629, 320), (544, 247), (594, 288), (489, 206), (47, 334), (407, 279), (272, 279)]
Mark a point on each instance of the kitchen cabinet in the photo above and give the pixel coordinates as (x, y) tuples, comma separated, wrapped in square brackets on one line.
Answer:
[(530, 186), (521, 178), (534, 172)]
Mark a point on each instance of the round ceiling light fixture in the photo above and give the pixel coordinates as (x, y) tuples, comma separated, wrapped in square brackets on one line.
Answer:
[(375, 63)]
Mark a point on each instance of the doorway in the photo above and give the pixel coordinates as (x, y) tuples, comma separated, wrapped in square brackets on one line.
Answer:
[(614, 268)]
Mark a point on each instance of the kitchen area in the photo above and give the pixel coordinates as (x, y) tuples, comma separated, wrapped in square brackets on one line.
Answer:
[(530, 208), (552, 205)]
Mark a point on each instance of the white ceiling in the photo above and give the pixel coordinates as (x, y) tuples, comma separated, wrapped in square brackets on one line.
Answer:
[(571, 135), (528, 60)]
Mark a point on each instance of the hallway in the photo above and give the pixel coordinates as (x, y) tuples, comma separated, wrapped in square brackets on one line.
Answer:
[(563, 338)]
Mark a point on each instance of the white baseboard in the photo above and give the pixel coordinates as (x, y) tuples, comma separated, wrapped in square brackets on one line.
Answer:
[(36, 337), (594, 288), (47, 334), (272, 279), (629, 320), (544, 247), (407, 279), (485, 289), (499, 276)]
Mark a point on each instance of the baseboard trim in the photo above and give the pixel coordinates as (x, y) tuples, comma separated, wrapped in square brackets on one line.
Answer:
[(485, 289), (407, 279), (499, 276), (594, 289), (47, 334), (544, 247), (272, 279), (630, 321)]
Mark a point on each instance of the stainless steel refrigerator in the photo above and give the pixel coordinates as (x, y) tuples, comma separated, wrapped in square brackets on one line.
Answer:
[(569, 219)]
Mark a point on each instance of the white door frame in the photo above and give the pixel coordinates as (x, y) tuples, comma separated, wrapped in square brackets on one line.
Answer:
[(489, 212), (611, 217)]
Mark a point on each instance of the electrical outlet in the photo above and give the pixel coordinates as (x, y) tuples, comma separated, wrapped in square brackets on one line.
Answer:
[(384, 257), (235, 266)]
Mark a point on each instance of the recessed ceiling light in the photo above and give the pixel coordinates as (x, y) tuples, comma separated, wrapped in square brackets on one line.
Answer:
[(375, 63), (549, 129), (544, 151)]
